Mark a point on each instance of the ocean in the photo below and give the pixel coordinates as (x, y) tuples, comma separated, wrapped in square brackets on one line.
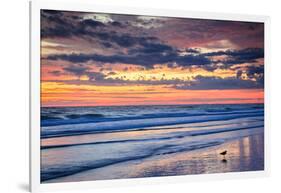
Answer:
[(111, 142)]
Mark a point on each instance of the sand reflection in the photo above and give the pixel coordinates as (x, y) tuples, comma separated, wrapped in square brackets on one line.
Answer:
[(243, 155)]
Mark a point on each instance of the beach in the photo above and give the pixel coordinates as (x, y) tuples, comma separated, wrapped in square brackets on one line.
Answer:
[(246, 154), (188, 140)]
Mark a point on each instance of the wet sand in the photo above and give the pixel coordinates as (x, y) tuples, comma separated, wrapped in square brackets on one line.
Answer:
[(244, 154)]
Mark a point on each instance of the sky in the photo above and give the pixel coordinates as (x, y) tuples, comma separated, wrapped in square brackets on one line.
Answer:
[(98, 59)]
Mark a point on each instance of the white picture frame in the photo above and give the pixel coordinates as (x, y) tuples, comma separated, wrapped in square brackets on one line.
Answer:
[(36, 6)]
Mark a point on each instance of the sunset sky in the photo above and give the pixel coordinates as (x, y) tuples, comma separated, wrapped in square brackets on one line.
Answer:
[(90, 59)]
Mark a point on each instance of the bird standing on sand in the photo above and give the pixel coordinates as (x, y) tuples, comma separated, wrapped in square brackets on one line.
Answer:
[(224, 153)]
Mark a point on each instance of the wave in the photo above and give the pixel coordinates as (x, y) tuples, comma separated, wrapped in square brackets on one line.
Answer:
[(180, 135), (62, 171), (90, 115), (50, 117), (76, 118), (143, 124), (64, 118)]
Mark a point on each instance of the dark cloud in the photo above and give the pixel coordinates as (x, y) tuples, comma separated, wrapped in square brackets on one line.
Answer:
[(51, 12), (65, 26), (81, 30), (75, 17), (210, 83), (124, 40), (212, 67), (116, 24), (56, 72), (95, 76), (107, 44), (192, 50), (80, 70), (247, 54), (163, 54), (59, 31), (91, 23), (77, 70), (199, 82), (54, 24), (148, 47), (256, 72), (239, 56), (146, 60), (239, 74), (111, 73)]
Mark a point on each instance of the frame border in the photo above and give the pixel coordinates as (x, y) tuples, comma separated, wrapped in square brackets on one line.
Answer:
[(34, 99)]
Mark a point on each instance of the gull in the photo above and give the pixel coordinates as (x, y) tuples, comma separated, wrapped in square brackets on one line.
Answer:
[(224, 153)]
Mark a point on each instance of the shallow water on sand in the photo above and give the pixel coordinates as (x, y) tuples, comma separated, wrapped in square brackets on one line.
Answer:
[(183, 141)]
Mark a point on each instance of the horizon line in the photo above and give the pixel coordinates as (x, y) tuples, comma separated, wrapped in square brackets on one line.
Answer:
[(41, 106)]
